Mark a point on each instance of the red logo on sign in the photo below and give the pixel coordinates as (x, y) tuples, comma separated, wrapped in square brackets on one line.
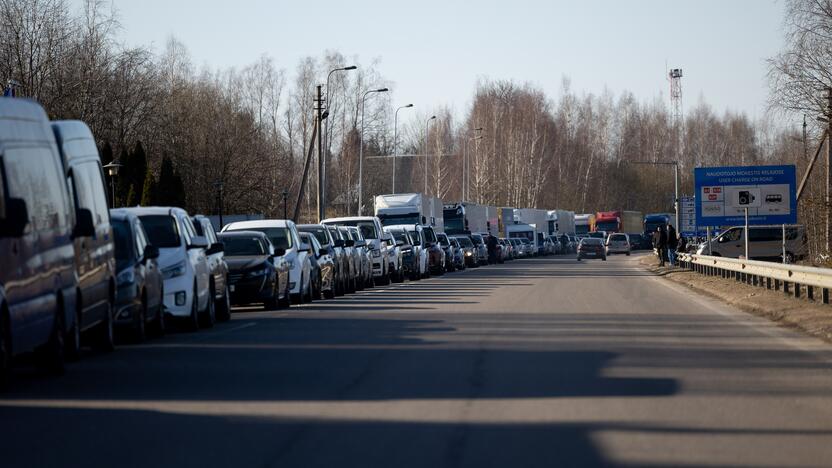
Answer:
[(707, 190), (717, 189), (712, 197)]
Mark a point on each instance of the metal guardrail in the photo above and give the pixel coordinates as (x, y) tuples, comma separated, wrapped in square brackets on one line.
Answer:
[(792, 279)]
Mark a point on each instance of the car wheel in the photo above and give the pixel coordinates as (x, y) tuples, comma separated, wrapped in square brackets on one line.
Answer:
[(193, 319), (159, 325), (73, 338), (209, 315), (52, 354), (104, 340), (224, 309)]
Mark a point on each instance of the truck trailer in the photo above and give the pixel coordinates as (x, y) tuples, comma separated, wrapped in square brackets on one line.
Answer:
[(561, 222), (630, 222), (467, 218), (584, 224), (410, 208)]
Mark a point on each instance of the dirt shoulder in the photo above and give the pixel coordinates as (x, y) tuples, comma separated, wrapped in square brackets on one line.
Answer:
[(812, 318)]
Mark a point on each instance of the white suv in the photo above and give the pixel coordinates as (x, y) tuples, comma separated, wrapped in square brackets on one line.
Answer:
[(284, 235), (372, 231), (618, 243), (183, 263)]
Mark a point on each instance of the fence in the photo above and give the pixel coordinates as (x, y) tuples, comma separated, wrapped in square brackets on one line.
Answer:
[(793, 280)]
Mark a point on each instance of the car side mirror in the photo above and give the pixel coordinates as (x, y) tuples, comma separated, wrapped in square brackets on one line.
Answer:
[(216, 248), (349, 243), (279, 252), (323, 252), (339, 243), (84, 225), (17, 217), (151, 252), (198, 242)]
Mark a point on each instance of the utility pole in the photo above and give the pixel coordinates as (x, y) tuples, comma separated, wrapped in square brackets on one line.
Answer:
[(321, 184), (828, 166)]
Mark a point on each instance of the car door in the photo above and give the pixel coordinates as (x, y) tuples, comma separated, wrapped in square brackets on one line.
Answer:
[(153, 276), (198, 260), (216, 260)]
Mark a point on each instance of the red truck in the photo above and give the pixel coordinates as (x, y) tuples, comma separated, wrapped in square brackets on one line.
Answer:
[(630, 222)]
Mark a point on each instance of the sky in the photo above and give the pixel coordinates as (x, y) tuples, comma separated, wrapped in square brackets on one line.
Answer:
[(435, 51)]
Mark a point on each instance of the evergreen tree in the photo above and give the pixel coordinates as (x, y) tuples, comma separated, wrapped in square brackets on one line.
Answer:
[(171, 190), (149, 189), (123, 178), (106, 153)]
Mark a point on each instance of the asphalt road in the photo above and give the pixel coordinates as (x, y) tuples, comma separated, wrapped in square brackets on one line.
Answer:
[(543, 362)]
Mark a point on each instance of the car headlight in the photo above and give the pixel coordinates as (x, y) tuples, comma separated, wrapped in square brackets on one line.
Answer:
[(174, 271), (258, 272), (126, 277), (468, 254)]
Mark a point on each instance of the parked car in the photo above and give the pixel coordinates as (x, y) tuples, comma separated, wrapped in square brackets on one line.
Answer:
[(334, 250), (216, 263), (469, 251), (140, 288), (764, 243), (592, 247), (371, 232), (37, 225), (253, 274), (481, 248), (324, 267), (528, 247), (93, 238), (640, 242), (448, 249), (618, 243), (436, 256), (459, 254), (354, 256), (420, 249), (395, 254), (517, 248), (364, 249), (184, 265), (506, 249), (410, 255), (284, 235)]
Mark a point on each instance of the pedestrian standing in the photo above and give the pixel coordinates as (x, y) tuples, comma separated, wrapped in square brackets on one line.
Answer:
[(491, 243), (683, 245), (672, 244), (661, 245)]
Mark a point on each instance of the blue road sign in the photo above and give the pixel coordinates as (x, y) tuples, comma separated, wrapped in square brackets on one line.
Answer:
[(723, 192)]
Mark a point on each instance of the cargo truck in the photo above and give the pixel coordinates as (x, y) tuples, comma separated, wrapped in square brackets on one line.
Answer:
[(619, 221), (584, 224), (410, 209), (561, 222), (653, 220), (467, 218)]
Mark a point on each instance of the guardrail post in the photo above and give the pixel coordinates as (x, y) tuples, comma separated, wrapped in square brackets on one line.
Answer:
[(786, 288), (754, 280), (768, 283), (824, 295), (810, 292), (777, 285)]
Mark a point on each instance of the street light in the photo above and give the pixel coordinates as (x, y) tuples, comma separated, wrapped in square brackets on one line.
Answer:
[(361, 146), (426, 153), (396, 141), (326, 113), (112, 171), (466, 182), (285, 198)]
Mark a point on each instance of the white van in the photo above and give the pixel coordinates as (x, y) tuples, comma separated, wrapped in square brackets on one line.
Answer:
[(764, 243)]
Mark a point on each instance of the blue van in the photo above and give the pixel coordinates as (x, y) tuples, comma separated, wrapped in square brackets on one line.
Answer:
[(37, 256), (92, 235)]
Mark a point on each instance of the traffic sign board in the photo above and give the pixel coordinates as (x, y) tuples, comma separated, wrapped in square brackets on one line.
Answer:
[(724, 193)]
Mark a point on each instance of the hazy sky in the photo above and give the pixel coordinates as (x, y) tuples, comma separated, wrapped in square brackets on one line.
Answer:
[(434, 51)]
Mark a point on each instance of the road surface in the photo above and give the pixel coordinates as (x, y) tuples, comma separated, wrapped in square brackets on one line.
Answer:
[(542, 362)]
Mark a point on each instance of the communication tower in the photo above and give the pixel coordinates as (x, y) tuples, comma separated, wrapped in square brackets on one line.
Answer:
[(675, 78)]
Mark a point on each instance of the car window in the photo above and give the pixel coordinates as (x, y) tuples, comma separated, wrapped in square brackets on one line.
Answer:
[(161, 230), (33, 174), (318, 232), (124, 247), (140, 238), (243, 246)]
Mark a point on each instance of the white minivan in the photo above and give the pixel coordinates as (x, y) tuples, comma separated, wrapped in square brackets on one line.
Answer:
[(183, 262), (284, 235), (764, 243)]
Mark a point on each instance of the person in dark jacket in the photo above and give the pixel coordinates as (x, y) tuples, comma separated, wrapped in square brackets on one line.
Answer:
[(683, 245), (672, 243), (660, 243), (491, 243)]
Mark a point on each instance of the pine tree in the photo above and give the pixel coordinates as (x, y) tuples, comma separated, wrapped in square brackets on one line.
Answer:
[(149, 189), (171, 190)]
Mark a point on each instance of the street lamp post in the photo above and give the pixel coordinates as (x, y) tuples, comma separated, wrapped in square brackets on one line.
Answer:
[(466, 180), (396, 141), (361, 147), (326, 113), (426, 152), (285, 201), (112, 171)]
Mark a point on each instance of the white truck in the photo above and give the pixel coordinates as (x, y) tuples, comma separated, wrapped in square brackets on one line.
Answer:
[(467, 218), (410, 209), (561, 222)]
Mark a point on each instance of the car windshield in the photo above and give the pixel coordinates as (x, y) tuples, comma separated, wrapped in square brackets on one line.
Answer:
[(591, 241), (400, 236), (368, 228), (465, 242), (124, 248), (243, 246), (318, 232), (281, 237), (476, 239), (618, 237), (334, 232), (430, 235), (161, 231), (443, 240)]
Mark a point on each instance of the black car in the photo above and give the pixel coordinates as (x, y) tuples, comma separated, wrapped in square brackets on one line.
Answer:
[(591, 247), (140, 287), (252, 276)]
